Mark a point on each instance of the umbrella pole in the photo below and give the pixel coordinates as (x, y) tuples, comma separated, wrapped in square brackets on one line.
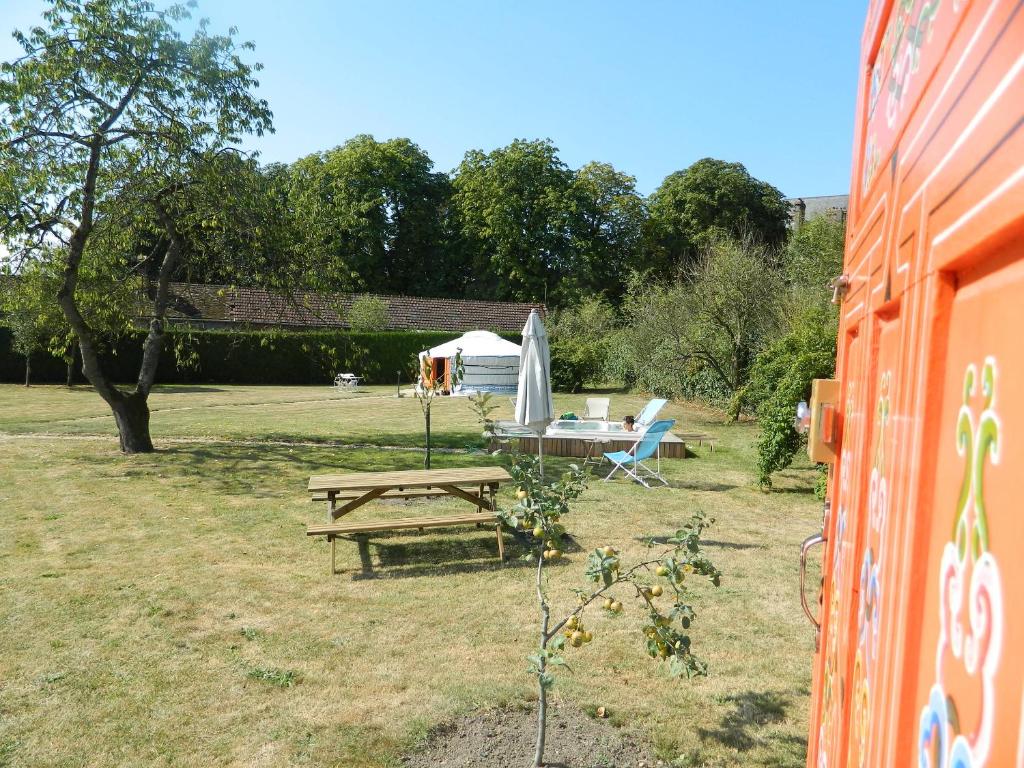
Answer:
[(540, 453)]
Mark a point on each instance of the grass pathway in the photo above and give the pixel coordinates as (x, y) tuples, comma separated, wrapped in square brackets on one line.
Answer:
[(248, 442)]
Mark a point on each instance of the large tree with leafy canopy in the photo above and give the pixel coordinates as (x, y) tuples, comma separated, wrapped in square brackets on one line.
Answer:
[(708, 323), (235, 224), (710, 200), (106, 122), (608, 217), (514, 214), (373, 214)]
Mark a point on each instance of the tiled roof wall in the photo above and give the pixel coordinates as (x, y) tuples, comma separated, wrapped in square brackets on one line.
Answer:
[(254, 306)]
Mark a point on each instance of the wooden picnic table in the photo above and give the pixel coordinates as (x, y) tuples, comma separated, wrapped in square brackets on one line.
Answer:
[(477, 485)]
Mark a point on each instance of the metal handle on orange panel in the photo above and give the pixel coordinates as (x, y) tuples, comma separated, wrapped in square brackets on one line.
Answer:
[(810, 541), (828, 422)]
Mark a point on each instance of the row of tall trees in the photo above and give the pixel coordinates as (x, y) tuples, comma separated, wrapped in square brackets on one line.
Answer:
[(514, 224)]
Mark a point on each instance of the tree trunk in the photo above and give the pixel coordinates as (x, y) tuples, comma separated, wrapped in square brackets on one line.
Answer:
[(542, 691), (131, 413), (131, 410), (737, 369), (71, 367), (426, 420), (542, 718), (28, 369)]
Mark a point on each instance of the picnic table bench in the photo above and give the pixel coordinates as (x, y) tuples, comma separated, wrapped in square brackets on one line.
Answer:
[(477, 485)]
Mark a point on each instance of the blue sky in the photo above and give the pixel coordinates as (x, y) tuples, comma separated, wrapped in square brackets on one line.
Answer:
[(649, 86)]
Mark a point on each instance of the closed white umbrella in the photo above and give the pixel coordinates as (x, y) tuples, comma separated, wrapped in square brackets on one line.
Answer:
[(534, 407)]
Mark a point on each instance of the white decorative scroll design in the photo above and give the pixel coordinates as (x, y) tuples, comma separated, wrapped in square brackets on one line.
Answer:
[(969, 646)]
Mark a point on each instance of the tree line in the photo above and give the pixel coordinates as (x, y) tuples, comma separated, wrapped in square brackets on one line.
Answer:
[(513, 224)]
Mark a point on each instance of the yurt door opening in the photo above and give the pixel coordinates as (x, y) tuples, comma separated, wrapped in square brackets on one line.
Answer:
[(440, 370)]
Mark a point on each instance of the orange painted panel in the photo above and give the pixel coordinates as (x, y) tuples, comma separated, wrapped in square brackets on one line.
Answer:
[(838, 643), (970, 677), (914, 42), (875, 562), (921, 659)]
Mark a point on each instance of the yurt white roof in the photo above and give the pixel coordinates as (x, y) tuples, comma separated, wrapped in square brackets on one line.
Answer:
[(489, 361), (476, 344)]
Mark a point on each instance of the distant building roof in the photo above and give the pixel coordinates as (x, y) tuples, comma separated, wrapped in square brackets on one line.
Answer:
[(806, 208), (221, 305)]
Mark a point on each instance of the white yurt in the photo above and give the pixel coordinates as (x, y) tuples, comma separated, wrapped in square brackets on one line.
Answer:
[(490, 363)]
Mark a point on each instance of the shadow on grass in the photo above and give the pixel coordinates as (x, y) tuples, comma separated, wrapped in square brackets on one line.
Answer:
[(456, 552), (439, 557), (802, 490), (603, 391), (742, 728), (730, 544), (795, 481), (185, 389), (702, 485), (662, 541), (412, 440), (265, 470)]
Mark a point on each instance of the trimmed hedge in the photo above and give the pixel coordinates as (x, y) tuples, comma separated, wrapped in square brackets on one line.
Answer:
[(249, 357)]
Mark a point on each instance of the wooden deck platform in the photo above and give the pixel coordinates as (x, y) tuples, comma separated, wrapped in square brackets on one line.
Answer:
[(672, 447)]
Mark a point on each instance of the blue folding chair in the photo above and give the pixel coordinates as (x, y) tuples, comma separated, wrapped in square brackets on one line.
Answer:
[(631, 461)]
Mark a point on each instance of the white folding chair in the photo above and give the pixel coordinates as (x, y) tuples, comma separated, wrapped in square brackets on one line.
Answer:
[(596, 408)]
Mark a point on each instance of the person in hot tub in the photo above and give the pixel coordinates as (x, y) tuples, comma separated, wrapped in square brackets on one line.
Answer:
[(629, 424)]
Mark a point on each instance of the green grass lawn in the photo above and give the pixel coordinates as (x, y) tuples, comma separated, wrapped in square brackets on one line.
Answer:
[(168, 610)]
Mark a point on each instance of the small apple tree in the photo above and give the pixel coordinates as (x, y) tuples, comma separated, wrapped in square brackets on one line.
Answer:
[(539, 509), (428, 387)]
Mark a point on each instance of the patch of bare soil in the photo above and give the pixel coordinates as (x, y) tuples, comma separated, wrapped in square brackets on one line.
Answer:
[(505, 738)]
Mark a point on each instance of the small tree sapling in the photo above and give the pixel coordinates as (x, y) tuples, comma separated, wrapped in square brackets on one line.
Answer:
[(428, 387), (669, 573)]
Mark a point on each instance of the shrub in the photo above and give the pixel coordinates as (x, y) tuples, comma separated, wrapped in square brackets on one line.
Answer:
[(781, 377), (252, 356), (580, 344), (643, 367), (368, 313), (696, 335), (782, 374)]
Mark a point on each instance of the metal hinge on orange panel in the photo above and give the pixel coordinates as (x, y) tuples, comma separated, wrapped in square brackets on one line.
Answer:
[(823, 436)]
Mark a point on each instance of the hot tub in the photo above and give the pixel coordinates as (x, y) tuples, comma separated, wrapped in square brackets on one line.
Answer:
[(576, 426), (580, 438)]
